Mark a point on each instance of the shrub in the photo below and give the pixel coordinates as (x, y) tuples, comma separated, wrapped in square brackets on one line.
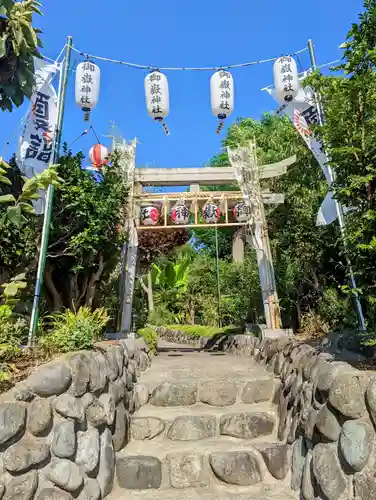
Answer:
[(73, 332), (150, 337), (197, 331)]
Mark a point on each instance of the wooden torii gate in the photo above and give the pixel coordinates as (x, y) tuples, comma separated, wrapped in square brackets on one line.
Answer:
[(138, 178)]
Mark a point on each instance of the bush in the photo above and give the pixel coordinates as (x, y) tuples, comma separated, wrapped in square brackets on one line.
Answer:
[(73, 332), (197, 331), (150, 337)]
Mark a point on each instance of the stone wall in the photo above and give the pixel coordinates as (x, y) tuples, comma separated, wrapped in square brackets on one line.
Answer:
[(327, 412), (60, 428)]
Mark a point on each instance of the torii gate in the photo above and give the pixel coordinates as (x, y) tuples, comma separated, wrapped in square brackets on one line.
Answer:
[(243, 170)]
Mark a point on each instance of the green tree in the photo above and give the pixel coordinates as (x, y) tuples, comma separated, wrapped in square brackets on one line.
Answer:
[(19, 42), (84, 244), (349, 101)]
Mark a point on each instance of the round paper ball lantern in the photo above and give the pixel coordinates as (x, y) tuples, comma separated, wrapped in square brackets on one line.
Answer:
[(98, 155), (180, 214), (242, 212), (149, 216), (211, 213)]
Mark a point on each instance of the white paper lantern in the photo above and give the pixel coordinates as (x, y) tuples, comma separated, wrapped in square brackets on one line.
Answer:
[(149, 216), (88, 77), (286, 79), (157, 95), (211, 213), (242, 212), (180, 214), (222, 94)]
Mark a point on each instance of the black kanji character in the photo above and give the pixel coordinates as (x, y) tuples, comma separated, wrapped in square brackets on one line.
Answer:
[(41, 106), (88, 66), (155, 89), (154, 77), (86, 89), (87, 78), (286, 68), (225, 95), (225, 84), (224, 105)]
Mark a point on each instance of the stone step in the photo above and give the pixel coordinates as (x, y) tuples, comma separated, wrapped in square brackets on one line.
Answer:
[(144, 465), (215, 492), (212, 392), (200, 421)]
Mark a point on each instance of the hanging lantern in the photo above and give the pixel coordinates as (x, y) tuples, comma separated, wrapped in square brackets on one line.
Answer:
[(88, 77), (98, 155), (286, 79), (157, 97), (242, 212), (180, 213), (149, 216), (211, 213), (222, 96)]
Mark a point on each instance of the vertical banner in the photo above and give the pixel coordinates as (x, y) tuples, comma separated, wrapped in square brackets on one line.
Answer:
[(303, 112), (38, 133)]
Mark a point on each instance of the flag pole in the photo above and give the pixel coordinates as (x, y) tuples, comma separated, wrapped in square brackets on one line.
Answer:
[(339, 209), (64, 76)]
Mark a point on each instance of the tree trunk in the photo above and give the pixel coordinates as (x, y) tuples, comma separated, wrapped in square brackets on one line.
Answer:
[(150, 292), (93, 283), (57, 303)]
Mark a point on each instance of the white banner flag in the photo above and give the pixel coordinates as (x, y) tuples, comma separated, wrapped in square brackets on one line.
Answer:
[(38, 134), (303, 112)]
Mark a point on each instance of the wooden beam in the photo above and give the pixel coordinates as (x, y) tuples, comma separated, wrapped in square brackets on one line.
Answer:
[(189, 226), (204, 175), (268, 198)]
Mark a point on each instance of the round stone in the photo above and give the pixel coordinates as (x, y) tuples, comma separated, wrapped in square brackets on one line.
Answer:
[(347, 395), (70, 407), (218, 393), (257, 391), (328, 471), (247, 425), (65, 474), (64, 439), (192, 428), (39, 416), (238, 468), (25, 454), (356, 443), (22, 487), (143, 428), (12, 420), (187, 470), (174, 394), (276, 458), (88, 449), (51, 379), (327, 424)]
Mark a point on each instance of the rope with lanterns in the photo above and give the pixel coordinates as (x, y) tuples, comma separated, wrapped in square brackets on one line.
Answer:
[(157, 90)]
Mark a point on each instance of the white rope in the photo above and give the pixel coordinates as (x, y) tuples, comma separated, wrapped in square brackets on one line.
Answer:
[(211, 68)]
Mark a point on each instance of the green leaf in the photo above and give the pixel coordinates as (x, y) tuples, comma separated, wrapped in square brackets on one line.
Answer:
[(30, 184), (7, 198), (11, 289), (25, 207), (14, 215), (5, 180)]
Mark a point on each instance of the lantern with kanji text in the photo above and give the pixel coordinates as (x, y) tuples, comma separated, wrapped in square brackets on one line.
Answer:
[(88, 77), (149, 215), (222, 95), (180, 214), (242, 212), (98, 155), (157, 97), (286, 78), (211, 213)]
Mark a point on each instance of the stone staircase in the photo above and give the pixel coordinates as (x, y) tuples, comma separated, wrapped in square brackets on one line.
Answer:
[(206, 428)]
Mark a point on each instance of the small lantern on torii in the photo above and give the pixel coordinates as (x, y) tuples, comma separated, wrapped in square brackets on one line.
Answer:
[(242, 212), (211, 212), (149, 215), (180, 213)]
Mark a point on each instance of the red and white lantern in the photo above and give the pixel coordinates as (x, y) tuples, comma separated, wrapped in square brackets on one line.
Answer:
[(149, 216), (211, 213), (180, 214), (242, 212), (98, 155)]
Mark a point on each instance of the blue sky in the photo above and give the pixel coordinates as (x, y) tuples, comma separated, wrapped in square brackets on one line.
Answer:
[(181, 33)]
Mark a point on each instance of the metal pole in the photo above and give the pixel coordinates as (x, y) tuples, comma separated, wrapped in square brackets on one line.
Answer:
[(339, 209), (50, 195), (218, 283)]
